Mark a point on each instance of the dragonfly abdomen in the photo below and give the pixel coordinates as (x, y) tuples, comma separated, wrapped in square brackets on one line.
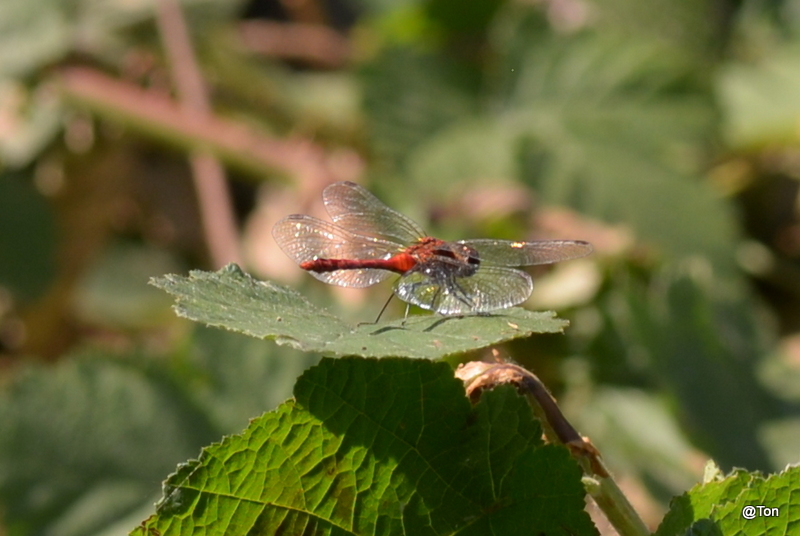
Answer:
[(399, 263)]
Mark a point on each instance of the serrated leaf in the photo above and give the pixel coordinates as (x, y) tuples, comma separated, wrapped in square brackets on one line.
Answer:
[(698, 502), (380, 447), (778, 492), (232, 299), (718, 507)]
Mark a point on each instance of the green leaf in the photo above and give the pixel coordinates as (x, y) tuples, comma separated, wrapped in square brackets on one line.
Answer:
[(380, 447), (718, 507), (698, 502), (760, 99), (232, 299), (640, 436), (233, 378), (612, 126), (34, 117), (85, 441), (680, 321), (32, 34), (409, 96), (27, 238), (470, 18), (112, 292), (776, 491)]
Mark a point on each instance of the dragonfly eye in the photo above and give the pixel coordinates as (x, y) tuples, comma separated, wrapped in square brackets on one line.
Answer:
[(471, 255), (444, 252)]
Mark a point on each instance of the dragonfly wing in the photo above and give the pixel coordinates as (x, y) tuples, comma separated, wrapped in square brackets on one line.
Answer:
[(305, 238), (357, 210), (358, 278), (510, 253), (489, 289)]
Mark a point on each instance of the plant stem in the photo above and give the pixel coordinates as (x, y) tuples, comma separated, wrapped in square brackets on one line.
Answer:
[(597, 480)]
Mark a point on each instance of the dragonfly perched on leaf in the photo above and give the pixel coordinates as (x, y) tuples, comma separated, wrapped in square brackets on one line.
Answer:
[(368, 242)]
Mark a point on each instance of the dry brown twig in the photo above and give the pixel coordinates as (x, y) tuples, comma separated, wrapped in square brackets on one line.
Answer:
[(479, 376), (315, 44), (161, 118), (213, 197)]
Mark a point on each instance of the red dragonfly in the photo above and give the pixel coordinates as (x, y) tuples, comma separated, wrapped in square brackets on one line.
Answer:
[(369, 241)]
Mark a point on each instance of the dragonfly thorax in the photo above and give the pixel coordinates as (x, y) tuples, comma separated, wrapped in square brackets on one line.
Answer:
[(440, 257)]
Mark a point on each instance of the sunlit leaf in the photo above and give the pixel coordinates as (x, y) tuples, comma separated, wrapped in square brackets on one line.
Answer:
[(232, 299), (741, 503), (380, 447)]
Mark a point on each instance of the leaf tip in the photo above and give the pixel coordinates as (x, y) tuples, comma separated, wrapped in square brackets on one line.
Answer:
[(232, 269)]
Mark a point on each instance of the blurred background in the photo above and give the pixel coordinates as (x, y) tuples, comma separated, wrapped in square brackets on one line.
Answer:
[(139, 138)]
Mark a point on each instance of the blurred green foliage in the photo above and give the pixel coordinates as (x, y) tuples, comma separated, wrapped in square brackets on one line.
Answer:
[(665, 131)]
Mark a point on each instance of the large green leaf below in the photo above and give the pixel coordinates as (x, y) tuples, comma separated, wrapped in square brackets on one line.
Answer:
[(232, 299), (380, 447)]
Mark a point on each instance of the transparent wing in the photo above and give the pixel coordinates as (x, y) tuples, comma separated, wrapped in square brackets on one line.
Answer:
[(510, 253), (354, 208), (489, 289), (305, 238)]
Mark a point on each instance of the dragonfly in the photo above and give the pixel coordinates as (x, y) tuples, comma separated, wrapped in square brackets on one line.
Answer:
[(367, 242)]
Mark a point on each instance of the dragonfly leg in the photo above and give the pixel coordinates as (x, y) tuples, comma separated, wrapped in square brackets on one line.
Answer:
[(405, 316), (435, 299), (460, 294), (385, 305)]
